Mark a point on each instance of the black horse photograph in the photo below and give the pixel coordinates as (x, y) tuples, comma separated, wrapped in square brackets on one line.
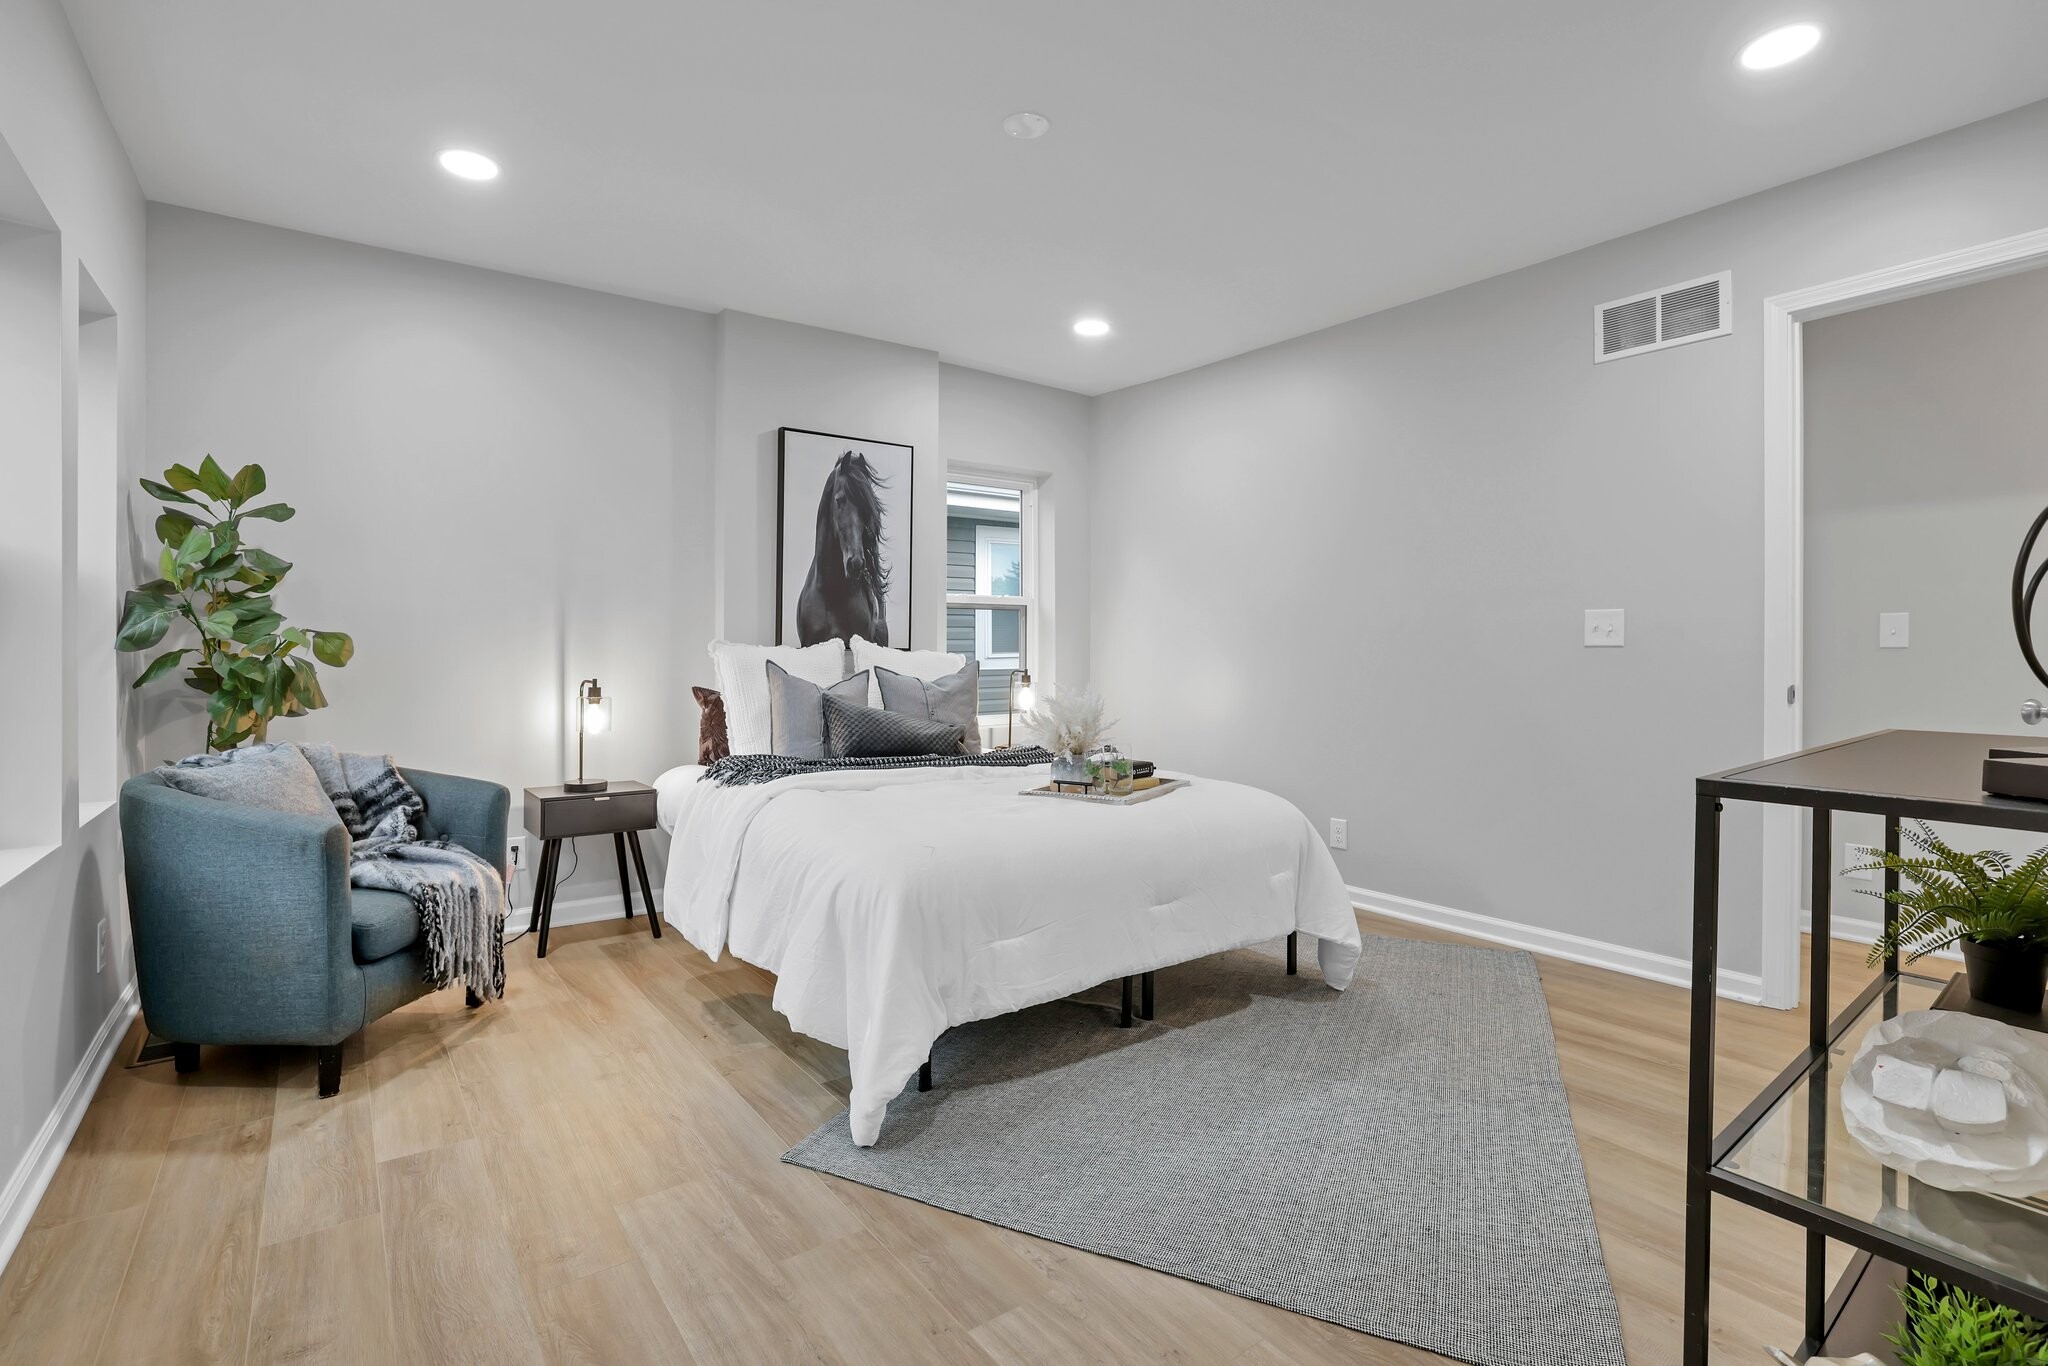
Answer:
[(843, 567)]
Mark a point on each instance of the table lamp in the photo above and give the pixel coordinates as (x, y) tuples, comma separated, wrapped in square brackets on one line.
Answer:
[(594, 716), (1021, 697)]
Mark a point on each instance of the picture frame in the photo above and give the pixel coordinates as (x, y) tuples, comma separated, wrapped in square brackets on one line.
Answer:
[(845, 538)]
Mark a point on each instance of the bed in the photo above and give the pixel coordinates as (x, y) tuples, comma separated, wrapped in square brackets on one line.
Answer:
[(892, 905)]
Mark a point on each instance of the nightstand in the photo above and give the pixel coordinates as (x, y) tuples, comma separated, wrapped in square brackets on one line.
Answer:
[(622, 810)]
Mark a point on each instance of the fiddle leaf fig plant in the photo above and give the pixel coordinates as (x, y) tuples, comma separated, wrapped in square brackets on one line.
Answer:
[(251, 666)]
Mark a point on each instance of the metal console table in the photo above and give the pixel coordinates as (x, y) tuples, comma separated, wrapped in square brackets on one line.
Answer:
[(1786, 1153)]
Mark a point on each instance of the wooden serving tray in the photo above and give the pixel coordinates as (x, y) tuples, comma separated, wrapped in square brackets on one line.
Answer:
[(1166, 785)]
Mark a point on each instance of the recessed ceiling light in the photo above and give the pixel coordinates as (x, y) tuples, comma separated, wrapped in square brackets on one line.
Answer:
[(1026, 126), (469, 165), (1780, 46), (1091, 327)]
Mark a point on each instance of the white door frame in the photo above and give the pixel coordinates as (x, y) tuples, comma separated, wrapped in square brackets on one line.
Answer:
[(1785, 316)]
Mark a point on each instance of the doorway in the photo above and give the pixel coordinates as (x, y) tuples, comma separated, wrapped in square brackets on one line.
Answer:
[(1786, 579)]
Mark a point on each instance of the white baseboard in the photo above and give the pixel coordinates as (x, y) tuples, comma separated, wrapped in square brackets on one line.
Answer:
[(585, 910), (1657, 967), (31, 1175)]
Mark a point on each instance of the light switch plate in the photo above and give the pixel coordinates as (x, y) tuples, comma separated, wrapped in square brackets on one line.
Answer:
[(1892, 630), (1603, 626), (1855, 854)]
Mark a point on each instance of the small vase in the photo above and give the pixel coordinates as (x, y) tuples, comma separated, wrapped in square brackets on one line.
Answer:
[(1070, 769), (1110, 772), (2010, 974)]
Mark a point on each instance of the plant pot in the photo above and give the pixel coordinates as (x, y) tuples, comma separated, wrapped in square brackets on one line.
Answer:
[(2011, 974), (1070, 768)]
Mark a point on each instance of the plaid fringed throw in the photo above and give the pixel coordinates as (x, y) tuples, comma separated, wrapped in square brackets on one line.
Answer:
[(460, 898), (744, 770)]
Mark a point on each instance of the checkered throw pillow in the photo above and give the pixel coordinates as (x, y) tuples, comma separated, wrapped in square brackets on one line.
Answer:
[(856, 732)]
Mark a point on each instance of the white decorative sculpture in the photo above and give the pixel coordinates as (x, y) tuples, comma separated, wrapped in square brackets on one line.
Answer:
[(1954, 1100)]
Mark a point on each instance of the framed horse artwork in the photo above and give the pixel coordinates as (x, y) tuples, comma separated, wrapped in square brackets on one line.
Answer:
[(844, 539)]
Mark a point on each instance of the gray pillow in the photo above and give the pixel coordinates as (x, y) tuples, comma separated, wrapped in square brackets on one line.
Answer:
[(954, 699), (853, 731), (796, 711), (275, 777)]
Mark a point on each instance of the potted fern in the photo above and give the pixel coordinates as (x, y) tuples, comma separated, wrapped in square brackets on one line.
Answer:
[(1994, 908), (250, 665)]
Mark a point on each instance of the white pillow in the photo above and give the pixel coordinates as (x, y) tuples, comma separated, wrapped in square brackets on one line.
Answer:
[(929, 665), (743, 681)]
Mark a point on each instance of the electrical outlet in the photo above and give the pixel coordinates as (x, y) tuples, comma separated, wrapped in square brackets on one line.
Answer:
[(1853, 854), (515, 850), (99, 948), (1603, 626), (1340, 833)]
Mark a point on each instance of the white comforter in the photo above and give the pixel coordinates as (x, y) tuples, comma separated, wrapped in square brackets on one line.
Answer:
[(891, 905)]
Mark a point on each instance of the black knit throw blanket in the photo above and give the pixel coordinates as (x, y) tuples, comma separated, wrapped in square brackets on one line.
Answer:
[(744, 770)]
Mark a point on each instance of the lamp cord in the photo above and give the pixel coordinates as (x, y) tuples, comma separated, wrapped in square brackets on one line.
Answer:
[(575, 861)]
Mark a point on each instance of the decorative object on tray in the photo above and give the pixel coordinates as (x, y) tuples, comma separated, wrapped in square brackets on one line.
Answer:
[(1954, 1100), (1159, 788), (845, 539), (1109, 772), (1860, 1359), (1070, 723), (593, 715), (249, 666), (1995, 908), (1948, 1326)]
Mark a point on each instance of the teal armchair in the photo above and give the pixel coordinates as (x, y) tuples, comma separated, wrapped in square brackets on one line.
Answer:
[(247, 931)]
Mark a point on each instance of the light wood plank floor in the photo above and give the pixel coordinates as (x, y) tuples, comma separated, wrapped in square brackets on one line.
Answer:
[(588, 1172)]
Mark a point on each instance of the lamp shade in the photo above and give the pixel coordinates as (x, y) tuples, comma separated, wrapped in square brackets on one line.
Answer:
[(597, 714)]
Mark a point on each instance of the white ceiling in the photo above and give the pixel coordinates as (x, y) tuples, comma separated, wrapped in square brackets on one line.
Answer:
[(1219, 174)]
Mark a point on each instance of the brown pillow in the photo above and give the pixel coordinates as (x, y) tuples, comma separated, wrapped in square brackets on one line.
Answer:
[(711, 742)]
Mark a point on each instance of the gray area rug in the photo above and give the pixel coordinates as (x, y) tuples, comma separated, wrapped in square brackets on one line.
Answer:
[(1397, 1158)]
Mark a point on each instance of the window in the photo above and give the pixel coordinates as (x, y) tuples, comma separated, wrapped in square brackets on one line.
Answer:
[(990, 572)]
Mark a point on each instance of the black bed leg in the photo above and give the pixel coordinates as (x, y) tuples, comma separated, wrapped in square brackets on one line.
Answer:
[(1124, 1020), (185, 1057), (330, 1070), (1145, 997), (1290, 953), (470, 998), (924, 1075)]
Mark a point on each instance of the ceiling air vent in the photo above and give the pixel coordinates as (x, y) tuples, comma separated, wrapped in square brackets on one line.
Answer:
[(1671, 316)]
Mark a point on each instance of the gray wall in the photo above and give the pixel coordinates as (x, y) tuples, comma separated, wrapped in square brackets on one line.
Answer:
[(486, 470), (505, 485), (1012, 427), (1925, 463), (1389, 530), (54, 1000)]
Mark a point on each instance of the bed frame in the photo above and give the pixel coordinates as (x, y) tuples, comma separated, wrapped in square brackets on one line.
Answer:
[(1125, 1018)]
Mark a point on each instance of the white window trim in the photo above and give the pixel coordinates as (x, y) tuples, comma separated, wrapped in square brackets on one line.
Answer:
[(1031, 548)]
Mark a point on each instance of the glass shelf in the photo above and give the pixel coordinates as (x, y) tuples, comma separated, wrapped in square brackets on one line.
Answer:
[(1797, 1153)]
